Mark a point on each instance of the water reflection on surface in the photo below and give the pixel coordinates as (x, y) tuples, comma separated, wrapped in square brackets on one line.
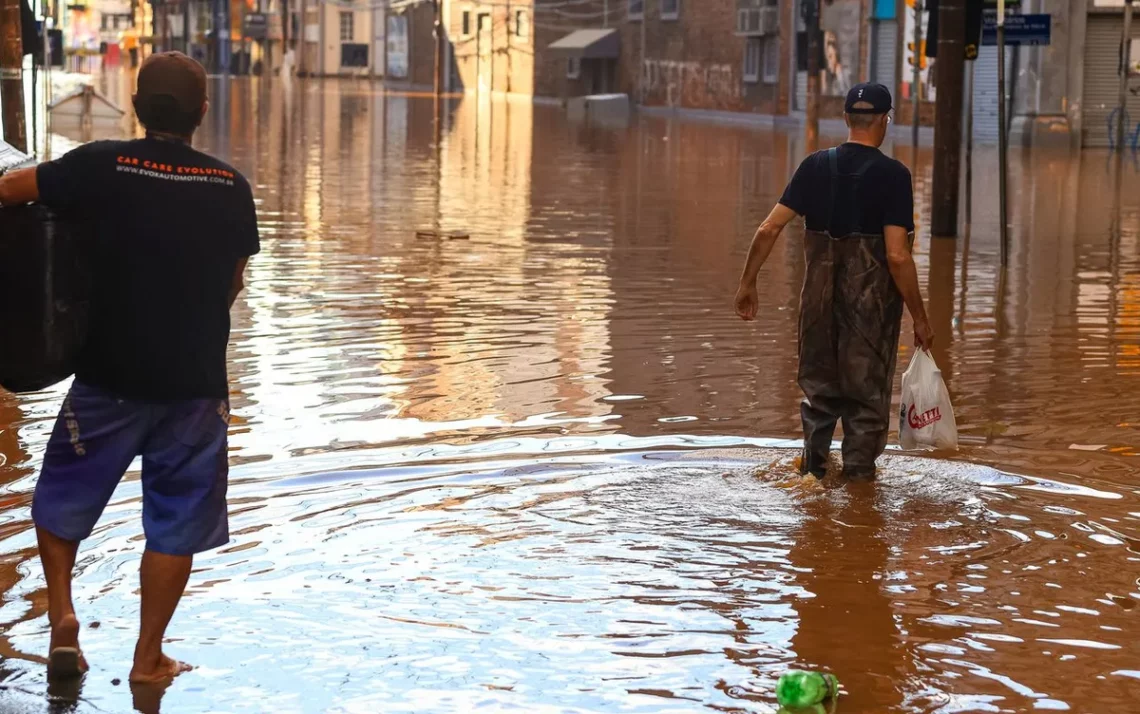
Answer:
[(539, 469)]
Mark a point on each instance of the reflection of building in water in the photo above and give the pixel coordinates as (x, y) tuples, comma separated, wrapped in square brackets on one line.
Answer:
[(14, 456), (540, 358), (846, 623), (350, 318), (691, 201)]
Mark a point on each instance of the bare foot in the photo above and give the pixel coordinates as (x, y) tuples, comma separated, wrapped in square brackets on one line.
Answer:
[(164, 670), (65, 659)]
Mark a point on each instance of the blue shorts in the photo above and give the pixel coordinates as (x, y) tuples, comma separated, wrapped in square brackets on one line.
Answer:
[(185, 468)]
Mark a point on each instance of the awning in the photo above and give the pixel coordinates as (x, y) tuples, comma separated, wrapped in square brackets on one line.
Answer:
[(588, 44)]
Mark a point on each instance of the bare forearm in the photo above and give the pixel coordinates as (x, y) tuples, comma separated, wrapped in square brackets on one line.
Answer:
[(906, 279), (18, 187), (238, 282), (759, 251)]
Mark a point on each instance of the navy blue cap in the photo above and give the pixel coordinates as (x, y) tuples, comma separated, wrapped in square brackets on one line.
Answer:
[(876, 95)]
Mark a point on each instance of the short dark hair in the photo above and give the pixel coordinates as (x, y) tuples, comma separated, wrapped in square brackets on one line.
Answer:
[(861, 119), (162, 113)]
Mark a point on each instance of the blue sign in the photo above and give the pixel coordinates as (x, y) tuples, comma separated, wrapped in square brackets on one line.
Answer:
[(1019, 29)]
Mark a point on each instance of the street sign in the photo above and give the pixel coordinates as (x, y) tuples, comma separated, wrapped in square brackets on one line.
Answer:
[(1019, 29), (256, 25)]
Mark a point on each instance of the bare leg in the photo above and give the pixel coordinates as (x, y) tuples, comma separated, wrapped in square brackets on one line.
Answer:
[(58, 558), (163, 581)]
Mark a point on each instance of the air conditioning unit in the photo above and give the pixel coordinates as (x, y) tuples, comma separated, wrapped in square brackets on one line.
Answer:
[(770, 20), (757, 20), (748, 21)]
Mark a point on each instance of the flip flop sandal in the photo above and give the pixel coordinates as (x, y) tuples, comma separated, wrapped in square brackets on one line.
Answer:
[(64, 662)]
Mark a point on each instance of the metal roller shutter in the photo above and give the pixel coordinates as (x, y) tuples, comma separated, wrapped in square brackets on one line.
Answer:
[(884, 60), (1102, 48), (986, 95)]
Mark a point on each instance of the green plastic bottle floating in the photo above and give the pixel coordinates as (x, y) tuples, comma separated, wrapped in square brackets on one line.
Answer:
[(803, 690)]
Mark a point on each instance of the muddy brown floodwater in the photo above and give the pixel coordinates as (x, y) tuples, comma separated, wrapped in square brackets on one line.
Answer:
[(545, 469)]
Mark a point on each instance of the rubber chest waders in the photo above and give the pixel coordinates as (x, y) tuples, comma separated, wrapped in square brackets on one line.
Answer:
[(850, 316)]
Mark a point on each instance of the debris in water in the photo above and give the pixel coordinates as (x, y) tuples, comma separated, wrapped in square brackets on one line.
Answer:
[(800, 690), (442, 235)]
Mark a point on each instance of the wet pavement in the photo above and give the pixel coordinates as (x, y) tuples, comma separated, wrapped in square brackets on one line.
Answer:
[(545, 468)]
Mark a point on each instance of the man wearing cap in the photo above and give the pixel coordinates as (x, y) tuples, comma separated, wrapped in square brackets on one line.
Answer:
[(858, 210), (173, 230)]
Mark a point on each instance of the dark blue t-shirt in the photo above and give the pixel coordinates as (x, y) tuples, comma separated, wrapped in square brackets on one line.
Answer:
[(170, 225), (885, 196)]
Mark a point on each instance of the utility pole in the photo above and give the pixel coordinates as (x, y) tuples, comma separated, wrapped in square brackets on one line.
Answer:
[(303, 40), (811, 118), (916, 75), (968, 115), (285, 23), (1125, 69), (1003, 137), (951, 69), (974, 12), (438, 74), (641, 88), (438, 25), (12, 75)]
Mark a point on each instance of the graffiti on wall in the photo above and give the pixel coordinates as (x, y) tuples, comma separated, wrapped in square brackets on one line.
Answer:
[(841, 22), (690, 83)]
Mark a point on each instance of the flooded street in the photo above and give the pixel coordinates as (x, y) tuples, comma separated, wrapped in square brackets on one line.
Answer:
[(543, 467)]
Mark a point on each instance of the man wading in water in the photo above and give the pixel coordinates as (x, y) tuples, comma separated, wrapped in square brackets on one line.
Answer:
[(173, 230), (859, 214)]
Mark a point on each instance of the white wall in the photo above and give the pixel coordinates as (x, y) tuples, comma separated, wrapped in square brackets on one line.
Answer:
[(362, 34)]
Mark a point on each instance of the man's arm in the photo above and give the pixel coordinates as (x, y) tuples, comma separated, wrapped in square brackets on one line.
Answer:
[(901, 264), (238, 283), (19, 187), (747, 302)]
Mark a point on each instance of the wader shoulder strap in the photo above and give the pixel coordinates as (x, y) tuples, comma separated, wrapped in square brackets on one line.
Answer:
[(856, 193), (865, 165), (833, 165)]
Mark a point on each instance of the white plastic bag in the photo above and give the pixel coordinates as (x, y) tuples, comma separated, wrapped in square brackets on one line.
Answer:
[(926, 420)]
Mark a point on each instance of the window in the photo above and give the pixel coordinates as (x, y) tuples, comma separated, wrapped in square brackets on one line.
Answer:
[(573, 68), (347, 22), (353, 55), (772, 59), (670, 9), (466, 23), (635, 9), (522, 24), (752, 59)]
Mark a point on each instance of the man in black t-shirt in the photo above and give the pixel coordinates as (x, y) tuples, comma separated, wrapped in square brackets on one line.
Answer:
[(858, 211), (173, 231)]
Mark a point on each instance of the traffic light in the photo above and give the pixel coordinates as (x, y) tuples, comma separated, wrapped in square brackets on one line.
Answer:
[(973, 27), (921, 54)]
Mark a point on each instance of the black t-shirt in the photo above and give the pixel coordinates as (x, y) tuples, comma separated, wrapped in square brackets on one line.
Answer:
[(170, 225), (885, 197)]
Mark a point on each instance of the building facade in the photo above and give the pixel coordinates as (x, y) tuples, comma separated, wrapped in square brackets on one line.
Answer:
[(736, 56)]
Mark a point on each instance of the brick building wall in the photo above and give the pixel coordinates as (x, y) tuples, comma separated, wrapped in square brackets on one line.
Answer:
[(696, 61), (551, 25)]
